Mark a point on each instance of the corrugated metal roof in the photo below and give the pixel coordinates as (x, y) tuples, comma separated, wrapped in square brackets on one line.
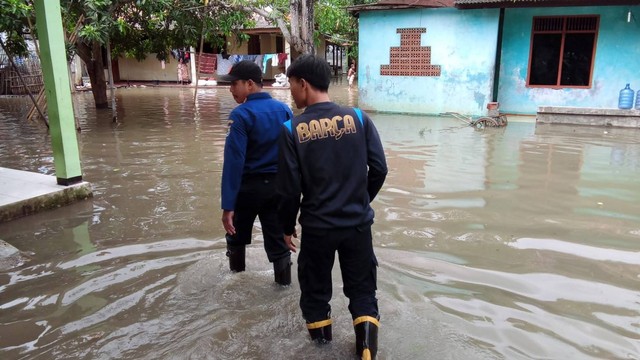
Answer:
[(541, 3), (458, 2), (418, 3), (478, 4), (400, 4)]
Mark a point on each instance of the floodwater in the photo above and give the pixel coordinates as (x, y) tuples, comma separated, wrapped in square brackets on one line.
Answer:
[(513, 243)]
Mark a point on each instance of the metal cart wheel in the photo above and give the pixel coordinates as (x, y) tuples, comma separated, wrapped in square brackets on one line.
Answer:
[(485, 121)]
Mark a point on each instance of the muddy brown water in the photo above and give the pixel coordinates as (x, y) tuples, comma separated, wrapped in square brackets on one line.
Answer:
[(513, 243)]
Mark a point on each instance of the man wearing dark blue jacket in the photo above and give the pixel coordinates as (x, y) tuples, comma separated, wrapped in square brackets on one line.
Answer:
[(249, 170), (331, 167)]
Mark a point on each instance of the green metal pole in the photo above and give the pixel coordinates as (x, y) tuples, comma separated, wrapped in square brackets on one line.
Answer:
[(66, 156)]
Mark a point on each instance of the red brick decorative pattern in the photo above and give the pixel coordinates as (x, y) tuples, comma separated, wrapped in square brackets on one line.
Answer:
[(410, 59)]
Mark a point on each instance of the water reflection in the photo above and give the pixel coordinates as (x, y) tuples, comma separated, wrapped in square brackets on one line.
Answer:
[(512, 243)]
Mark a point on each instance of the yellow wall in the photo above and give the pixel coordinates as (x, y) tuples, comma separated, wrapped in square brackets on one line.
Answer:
[(267, 46), (149, 69)]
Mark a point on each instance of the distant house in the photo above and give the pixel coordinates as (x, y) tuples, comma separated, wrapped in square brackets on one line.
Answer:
[(264, 39), (261, 42), (434, 56)]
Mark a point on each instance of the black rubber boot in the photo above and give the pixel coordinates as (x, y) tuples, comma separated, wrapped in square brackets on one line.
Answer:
[(236, 254), (320, 331), (282, 270), (366, 328)]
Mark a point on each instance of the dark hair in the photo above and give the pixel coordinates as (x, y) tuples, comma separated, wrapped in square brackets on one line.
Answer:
[(313, 69)]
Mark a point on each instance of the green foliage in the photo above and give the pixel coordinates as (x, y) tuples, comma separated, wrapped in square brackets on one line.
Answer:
[(13, 22), (334, 21), (138, 27), (331, 17)]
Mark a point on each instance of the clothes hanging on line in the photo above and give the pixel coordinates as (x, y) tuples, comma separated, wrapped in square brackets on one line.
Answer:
[(224, 62), (265, 60), (282, 58)]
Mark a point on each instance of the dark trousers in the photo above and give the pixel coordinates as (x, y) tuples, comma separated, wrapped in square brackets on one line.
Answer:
[(357, 264), (257, 197)]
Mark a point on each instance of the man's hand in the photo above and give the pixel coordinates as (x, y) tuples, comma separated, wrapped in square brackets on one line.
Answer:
[(288, 239), (227, 222)]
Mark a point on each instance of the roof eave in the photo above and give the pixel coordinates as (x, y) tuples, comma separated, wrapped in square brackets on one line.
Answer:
[(356, 9), (538, 3), (258, 31), (400, 5)]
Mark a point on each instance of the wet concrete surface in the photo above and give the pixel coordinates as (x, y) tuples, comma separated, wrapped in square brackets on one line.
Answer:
[(509, 243), (23, 193)]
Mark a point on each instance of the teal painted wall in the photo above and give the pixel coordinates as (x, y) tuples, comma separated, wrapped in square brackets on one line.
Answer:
[(617, 60), (463, 43)]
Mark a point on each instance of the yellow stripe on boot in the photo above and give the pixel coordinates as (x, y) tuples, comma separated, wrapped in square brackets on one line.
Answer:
[(320, 331), (370, 319), (319, 324), (366, 354), (366, 329)]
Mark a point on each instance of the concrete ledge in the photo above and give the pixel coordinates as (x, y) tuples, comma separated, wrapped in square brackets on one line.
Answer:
[(588, 116), (23, 193)]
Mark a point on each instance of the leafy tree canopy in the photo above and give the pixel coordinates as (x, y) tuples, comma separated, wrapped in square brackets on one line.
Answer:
[(136, 28), (330, 16), (139, 27), (13, 22)]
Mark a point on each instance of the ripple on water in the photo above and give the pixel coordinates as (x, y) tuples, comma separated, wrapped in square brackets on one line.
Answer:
[(515, 313), (547, 270)]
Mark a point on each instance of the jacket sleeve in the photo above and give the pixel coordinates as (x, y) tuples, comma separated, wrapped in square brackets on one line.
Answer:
[(289, 112), (235, 149), (288, 181), (375, 159)]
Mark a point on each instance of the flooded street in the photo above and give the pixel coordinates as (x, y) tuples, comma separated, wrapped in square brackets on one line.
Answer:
[(511, 243)]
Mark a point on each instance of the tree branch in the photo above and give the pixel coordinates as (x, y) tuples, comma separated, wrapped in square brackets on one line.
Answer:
[(279, 21)]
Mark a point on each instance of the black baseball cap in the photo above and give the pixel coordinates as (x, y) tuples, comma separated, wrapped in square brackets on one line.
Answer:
[(244, 70)]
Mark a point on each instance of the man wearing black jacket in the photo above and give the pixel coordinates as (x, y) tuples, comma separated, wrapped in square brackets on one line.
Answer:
[(331, 166)]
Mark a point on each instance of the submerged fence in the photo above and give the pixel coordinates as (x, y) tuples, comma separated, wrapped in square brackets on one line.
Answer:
[(30, 70)]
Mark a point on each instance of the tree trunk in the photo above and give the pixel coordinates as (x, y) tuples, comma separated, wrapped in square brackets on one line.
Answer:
[(295, 9), (302, 26), (92, 57), (308, 27)]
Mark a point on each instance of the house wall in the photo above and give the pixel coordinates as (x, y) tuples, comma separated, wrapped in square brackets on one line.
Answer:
[(149, 69), (617, 60), (463, 43), (235, 47), (267, 46)]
